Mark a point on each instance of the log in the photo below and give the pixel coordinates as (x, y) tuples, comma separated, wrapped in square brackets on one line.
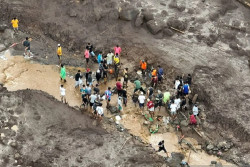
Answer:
[(177, 30)]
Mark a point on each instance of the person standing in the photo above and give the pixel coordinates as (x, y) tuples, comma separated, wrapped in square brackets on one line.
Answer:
[(117, 50), (186, 89), (93, 97), (141, 100), (159, 98), (150, 92), (154, 81), (135, 98), (100, 112), (108, 95), (86, 55), (160, 74), (125, 77), (90, 48), (59, 54), (105, 73), (99, 58), (151, 108), (88, 91), (15, 23), (195, 110), (117, 65), (162, 147), (63, 73), (125, 97), (26, 44), (90, 79), (78, 80), (143, 67), (119, 104), (63, 94), (119, 87), (98, 76), (110, 56)]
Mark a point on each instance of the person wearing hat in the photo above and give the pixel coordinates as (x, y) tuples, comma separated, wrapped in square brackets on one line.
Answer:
[(151, 108), (141, 99), (59, 53), (158, 99)]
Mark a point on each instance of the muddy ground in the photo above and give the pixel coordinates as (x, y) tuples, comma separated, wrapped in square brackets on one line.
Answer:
[(212, 45)]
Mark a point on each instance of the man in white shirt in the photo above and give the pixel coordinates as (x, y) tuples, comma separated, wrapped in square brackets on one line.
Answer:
[(63, 94), (141, 99), (173, 109), (110, 58), (93, 97), (195, 110), (100, 113), (177, 101)]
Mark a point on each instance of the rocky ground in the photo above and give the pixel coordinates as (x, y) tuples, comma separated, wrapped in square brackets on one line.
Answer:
[(209, 39)]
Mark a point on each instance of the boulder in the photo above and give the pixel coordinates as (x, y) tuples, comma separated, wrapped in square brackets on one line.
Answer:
[(219, 164), (148, 15), (175, 23), (139, 20), (128, 14), (234, 46), (164, 13), (3, 27), (222, 144), (210, 147), (154, 27), (184, 123), (2, 47)]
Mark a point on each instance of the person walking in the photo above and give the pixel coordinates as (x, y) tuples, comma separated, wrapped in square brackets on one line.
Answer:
[(141, 100), (26, 44), (90, 79), (63, 73), (186, 89), (158, 99), (15, 23), (125, 97), (98, 76), (125, 77), (78, 80), (117, 50), (119, 103), (160, 74), (99, 58), (117, 65), (88, 91), (100, 112), (86, 55), (135, 98), (63, 94), (59, 54), (162, 147), (90, 48), (143, 67), (119, 87)]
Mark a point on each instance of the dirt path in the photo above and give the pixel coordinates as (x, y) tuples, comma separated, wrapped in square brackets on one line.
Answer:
[(19, 73)]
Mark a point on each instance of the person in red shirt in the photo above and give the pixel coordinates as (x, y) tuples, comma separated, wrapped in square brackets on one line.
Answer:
[(154, 81), (193, 120), (118, 50), (119, 87), (151, 108)]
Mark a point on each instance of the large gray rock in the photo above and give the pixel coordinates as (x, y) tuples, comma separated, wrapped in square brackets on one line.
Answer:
[(154, 27), (168, 32), (3, 27), (139, 20), (114, 14), (210, 147), (2, 47), (175, 23), (128, 14), (72, 13), (148, 15)]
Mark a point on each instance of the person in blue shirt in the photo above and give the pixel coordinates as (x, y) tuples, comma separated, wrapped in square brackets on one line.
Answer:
[(99, 58), (108, 95), (160, 74), (186, 89)]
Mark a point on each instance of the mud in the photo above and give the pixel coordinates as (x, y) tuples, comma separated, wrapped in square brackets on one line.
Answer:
[(217, 60)]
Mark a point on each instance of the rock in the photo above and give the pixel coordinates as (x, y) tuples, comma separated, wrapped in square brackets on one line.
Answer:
[(79, 159), (219, 164), (139, 20), (164, 13), (222, 144), (113, 109), (128, 14), (168, 32), (210, 147), (163, 4), (234, 46), (17, 156), (180, 25), (2, 47), (153, 27), (184, 123), (13, 144), (72, 13), (114, 14), (214, 16), (148, 15), (3, 27), (213, 162)]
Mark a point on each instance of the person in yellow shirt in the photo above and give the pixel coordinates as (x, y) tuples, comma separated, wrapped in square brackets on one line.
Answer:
[(59, 53), (117, 63), (14, 23)]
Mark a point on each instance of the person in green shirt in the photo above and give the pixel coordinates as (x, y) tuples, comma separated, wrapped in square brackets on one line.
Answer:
[(138, 86), (166, 97), (63, 73)]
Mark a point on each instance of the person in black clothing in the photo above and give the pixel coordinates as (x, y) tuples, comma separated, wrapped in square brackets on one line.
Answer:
[(26, 44), (87, 75), (162, 147), (125, 76), (98, 76), (124, 96), (179, 91), (150, 92), (158, 100), (84, 101), (90, 48), (135, 98), (97, 91), (105, 72), (78, 80), (189, 79)]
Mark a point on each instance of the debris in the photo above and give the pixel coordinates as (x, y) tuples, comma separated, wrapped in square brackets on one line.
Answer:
[(177, 30)]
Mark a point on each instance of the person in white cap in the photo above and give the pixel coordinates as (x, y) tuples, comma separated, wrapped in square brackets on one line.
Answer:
[(151, 108), (59, 53), (141, 99)]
